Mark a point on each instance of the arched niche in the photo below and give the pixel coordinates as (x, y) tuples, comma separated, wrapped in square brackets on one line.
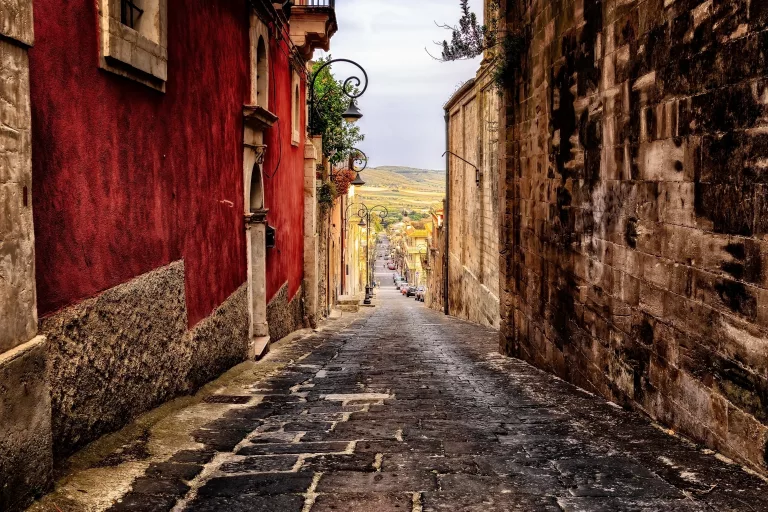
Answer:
[(256, 199), (262, 74)]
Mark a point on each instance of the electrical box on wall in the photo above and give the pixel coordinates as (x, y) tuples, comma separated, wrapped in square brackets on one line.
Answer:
[(271, 237)]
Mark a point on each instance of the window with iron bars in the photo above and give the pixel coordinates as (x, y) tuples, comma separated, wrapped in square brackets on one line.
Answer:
[(130, 13)]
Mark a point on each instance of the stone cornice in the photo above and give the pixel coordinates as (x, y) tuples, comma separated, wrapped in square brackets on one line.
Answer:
[(258, 118)]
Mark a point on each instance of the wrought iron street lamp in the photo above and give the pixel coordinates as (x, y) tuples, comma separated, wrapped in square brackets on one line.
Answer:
[(362, 158), (477, 171), (364, 213), (356, 156), (358, 162), (350, 88), (352, 114)]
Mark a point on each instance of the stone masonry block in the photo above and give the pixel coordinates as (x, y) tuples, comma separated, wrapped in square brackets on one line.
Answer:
[(26, 457), (16, 21)]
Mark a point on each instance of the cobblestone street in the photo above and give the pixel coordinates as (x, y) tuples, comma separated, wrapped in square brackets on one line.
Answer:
[(402, 408)]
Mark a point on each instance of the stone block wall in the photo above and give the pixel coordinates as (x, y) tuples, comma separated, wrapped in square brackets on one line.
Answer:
[(634, 240), (18, 313), (473, 216), (25, 416)]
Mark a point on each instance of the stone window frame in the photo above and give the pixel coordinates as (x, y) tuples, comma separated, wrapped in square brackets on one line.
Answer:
[(126, 52), (295, 108), (260, 65)]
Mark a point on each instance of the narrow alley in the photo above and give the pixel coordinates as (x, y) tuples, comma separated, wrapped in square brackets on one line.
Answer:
[(399, 407), (215, 217)]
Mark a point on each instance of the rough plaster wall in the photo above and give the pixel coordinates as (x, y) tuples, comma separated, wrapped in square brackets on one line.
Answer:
[(18, 308), (284, 177), (473, 274), (128, 350), (284, 315), (128, 179), (636, 205)]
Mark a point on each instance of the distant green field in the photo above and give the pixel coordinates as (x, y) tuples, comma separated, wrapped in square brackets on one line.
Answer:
[(402, 189)]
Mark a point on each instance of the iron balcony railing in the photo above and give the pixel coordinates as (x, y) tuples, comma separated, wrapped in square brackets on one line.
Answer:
[(316, 3)]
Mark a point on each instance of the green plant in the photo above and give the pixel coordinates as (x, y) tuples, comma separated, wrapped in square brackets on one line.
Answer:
[(508, 63), (470, 39), (326, 194)]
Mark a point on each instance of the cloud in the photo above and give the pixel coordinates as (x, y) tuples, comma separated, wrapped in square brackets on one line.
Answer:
[(403, 111)]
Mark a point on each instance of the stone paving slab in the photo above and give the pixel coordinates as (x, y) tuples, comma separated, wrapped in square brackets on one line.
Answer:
[(404, 409), (479, 502), (364, 501), (249, 503)]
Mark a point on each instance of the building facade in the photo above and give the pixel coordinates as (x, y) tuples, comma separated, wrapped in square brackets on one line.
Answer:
[(472, 117), (634, 226), (435, 296), (160, 150)]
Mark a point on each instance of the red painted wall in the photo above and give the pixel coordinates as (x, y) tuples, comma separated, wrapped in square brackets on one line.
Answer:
[(284, 179), (127, 179)]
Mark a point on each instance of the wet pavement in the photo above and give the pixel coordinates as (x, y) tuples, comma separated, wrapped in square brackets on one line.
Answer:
[(403, 409)]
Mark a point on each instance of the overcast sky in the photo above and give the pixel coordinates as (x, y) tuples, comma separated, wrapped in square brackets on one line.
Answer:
[(403, 115)]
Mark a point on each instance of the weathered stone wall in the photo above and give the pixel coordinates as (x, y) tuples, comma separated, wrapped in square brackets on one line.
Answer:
[(128, 350), (323, 226), (634, 235), (18, 307), (284, 314), (473, 216), (25, 414)]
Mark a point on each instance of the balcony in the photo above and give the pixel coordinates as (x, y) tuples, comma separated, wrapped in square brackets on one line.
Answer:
[(313, 23)]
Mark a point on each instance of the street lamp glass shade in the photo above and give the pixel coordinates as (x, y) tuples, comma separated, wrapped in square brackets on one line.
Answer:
[(353, 113), (358, 180)]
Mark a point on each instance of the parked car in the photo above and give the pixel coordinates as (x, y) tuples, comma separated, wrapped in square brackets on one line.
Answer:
[(401, 285), (391, 266), (410, 291), (420, 292)]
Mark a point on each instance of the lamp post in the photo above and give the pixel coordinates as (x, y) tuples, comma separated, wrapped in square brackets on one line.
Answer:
[(350, 90), (365, 220), (358, 162), (364, 214)]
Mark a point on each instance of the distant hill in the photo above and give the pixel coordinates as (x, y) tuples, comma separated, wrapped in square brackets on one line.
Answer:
[(405, 177), (403, 189)]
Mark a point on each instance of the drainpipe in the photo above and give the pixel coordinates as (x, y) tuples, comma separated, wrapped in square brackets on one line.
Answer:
[(343, 238), (446, 211)]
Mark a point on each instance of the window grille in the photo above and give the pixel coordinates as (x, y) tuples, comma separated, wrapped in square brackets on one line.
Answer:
[(130, 13)]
